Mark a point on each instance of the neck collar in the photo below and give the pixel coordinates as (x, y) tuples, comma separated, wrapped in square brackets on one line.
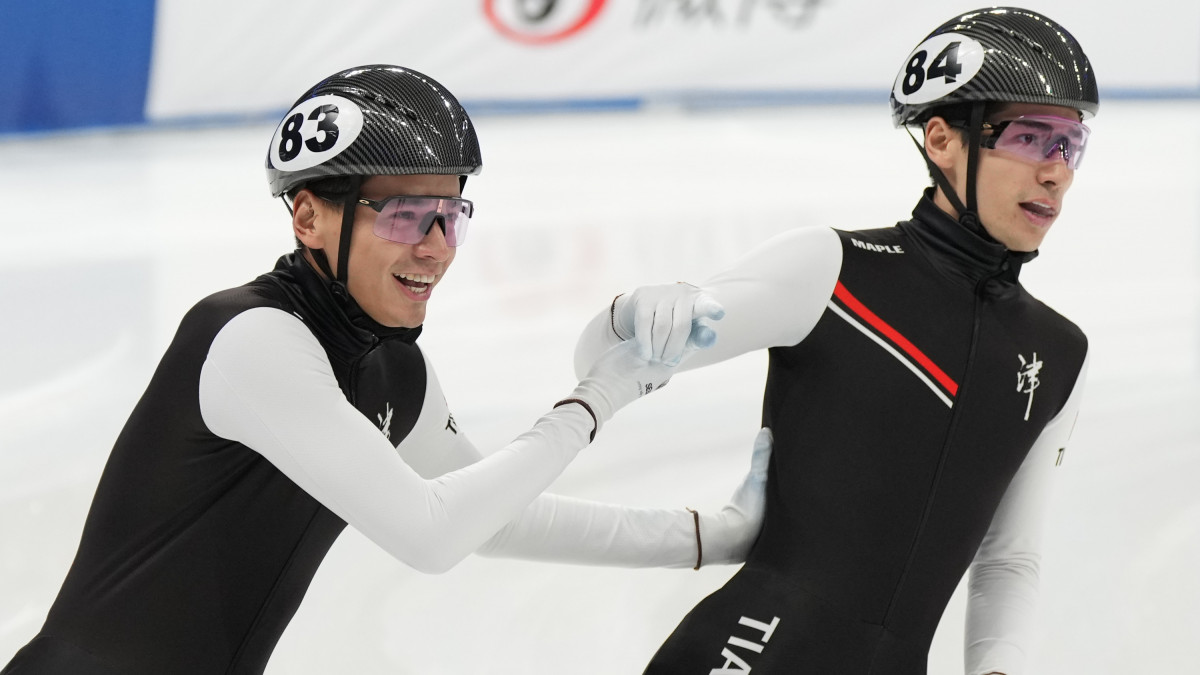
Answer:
[(962, 250), (338, 316)]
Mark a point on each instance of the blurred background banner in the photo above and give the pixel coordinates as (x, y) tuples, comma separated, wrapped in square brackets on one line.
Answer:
[(73, 63)]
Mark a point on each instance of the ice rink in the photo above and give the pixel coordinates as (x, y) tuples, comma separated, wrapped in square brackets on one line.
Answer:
[(110, 237)]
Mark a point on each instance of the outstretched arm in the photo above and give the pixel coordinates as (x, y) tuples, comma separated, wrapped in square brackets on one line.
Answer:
[(267, 384), (563, 529), (566, 530), (1003, 584), (770, 297)]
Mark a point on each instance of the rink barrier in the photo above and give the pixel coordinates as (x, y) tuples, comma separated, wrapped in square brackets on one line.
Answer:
[(79, 64), (683, 103)]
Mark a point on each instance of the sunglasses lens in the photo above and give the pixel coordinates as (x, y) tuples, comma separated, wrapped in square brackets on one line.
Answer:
[(406, 220), (1043, 138)]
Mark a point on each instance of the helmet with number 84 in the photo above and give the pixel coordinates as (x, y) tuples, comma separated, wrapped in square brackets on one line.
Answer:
[(980, 61), (1000, 54)]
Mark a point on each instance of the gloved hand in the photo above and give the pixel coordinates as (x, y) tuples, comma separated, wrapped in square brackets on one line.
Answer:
[(618, 377), (727, 536), (667, 321)]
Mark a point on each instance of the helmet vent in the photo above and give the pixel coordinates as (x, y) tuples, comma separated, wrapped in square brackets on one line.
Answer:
[(394, 105), (1017, 35)]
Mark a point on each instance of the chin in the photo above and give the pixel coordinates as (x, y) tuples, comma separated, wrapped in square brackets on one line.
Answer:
[(410, 321), (397, 320)]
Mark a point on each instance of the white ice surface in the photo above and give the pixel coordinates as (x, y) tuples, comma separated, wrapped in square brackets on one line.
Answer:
[(109, 238)]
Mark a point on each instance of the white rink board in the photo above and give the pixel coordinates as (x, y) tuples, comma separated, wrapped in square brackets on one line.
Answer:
[(231, 57)]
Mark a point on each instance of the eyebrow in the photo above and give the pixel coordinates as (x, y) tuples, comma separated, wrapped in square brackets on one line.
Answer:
[(1039, 125), (1042, 126)]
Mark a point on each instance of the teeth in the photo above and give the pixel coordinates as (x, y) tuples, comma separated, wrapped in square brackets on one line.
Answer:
[(419, 278)]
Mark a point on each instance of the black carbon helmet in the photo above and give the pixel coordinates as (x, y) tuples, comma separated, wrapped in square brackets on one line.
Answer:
[(377, 120), (372, 120), (991, 55), (1001, 54)]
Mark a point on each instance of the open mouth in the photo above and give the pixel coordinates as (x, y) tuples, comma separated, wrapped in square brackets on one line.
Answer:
[(417, 284), (1039, 213), (1039, 209)]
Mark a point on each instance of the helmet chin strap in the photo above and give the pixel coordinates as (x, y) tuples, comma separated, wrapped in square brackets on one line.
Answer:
[(339, 283), (967, 215), (970, 217)]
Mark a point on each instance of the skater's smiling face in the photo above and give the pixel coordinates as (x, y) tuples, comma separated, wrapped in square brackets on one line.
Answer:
[(1018, 197), (391, 281)]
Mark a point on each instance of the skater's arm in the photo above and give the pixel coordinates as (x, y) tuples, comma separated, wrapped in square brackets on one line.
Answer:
[(267, 384), (566, 530), (1003, 583), (563, 529), (772, 296)]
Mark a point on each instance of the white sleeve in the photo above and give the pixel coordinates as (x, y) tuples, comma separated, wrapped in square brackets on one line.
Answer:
[(773, 296), (556, 528), (566, 530), (268, 385), (436, 445), (1002, 590)]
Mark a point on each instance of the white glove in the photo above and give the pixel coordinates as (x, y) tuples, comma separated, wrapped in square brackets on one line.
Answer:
[(727, 536), (618, 377), (667, 321)]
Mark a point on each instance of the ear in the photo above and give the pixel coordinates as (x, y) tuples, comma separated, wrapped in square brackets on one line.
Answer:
[(304, 220), (944, 145)]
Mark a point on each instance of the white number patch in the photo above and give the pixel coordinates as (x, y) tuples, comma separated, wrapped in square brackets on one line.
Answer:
[(937, 67), (314, 132)]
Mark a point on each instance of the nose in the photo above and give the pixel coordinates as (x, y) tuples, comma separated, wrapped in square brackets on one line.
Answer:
[(1055, 173), (433, 245)]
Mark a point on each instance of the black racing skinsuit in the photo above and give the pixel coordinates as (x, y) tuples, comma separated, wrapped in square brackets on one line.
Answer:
[(883, 483), (197, 551)]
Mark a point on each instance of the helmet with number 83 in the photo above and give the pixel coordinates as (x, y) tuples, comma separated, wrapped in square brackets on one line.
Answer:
[(999, 54), (376, 120), (372, 120)]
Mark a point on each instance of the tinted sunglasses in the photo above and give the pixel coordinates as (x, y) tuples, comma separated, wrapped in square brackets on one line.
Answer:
[(406, 219), (1040, 138)]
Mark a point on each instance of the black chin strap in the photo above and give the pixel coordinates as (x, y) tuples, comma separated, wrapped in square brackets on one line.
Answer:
[(967, 215), (339, 283), (970, 217), (349, 208)]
